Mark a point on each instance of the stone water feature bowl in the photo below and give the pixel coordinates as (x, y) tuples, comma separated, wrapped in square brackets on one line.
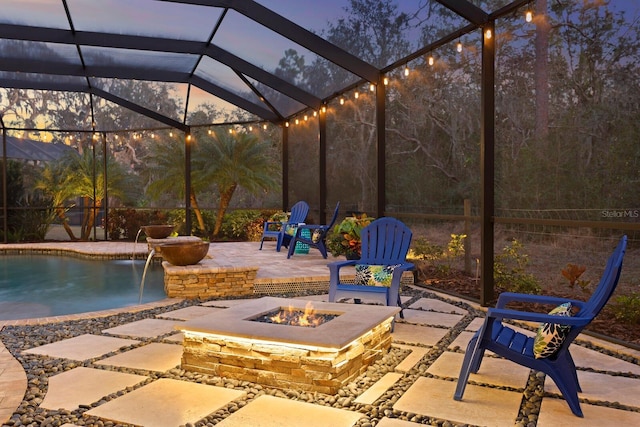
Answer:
[(161, 231), (183, 252)]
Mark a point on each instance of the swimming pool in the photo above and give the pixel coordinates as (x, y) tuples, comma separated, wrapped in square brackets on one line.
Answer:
[(47, 285)]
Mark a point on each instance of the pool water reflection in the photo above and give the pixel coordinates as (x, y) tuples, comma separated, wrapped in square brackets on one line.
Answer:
[(46, 285)]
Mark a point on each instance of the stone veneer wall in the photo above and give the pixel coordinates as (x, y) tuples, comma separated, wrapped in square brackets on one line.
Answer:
[(285, 366), (199, 281)]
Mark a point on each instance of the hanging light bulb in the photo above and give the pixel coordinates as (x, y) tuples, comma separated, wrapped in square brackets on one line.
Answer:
[(264, 126), (459, 47), (306, 117), (341, 101), (286, 124), (356, 95), (528, 16), (431, 60), (230, 130), (188, 137), (406, 70), (324, 109), (372, 87), (488, 34), (250, 128), (171, 134), (315, 113), (386, 81), (297, 121), (209, 131)]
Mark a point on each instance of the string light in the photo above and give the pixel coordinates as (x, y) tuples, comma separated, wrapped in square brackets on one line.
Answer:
[(297, 121), (171, 134), (386, 81), (356, 95), (528, 16), (250, 128), (372, 87), (264, 126), (488, 34), (324, 109), (459, 47), (209, 131), (286, 124), (431, 60), (188, 137), (306, 117), (341, 101), (230, 130), (406, 70), (315, 113)]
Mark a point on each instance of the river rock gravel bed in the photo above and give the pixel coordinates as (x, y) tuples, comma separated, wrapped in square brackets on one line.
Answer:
[(40, 369)]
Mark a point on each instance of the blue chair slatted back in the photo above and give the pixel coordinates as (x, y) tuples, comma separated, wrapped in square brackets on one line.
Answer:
[(385, 241), (299, 213)]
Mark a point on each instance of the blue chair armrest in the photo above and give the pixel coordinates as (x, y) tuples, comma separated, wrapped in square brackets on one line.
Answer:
[(268, 223), (507, 297), (504, 314), (334, 267)]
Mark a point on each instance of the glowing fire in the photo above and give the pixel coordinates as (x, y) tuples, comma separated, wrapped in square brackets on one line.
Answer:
[(296, 317)]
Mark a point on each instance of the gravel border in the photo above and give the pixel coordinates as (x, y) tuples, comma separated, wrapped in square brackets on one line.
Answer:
[(39, 369)]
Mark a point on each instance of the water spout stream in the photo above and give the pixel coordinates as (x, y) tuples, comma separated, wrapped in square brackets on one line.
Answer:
[(144, 273), (135, 245)]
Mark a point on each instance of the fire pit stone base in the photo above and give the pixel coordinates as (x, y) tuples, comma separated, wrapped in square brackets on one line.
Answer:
[(296, 364)]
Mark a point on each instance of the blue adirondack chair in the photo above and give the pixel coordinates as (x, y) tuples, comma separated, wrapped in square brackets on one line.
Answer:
[(499, 338), (385, 243), (316, 235), (283, 235)]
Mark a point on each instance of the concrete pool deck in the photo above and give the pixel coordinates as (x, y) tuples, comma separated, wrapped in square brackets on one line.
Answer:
[(611, 383)]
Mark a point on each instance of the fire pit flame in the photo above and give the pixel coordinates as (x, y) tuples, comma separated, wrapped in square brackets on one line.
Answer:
[(296, 317)]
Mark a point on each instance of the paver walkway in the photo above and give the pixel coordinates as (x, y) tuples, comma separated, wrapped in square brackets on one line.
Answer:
[(152, 348)]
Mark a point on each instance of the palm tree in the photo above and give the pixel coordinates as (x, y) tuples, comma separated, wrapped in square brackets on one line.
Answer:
[(82, 175), (232, 160), (54, 182), (166, 174)]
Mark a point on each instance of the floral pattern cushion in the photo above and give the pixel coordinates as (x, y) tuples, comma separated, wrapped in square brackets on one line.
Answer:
[(550, 336), (374, 275)]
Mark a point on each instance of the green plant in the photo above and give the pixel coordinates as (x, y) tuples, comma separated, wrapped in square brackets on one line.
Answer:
[(241, 225), (437, 256), (509, 270), (626, 308), (345, 237)]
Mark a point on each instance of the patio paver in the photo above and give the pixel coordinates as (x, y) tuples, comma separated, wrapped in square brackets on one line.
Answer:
[(481, 405), (145, 328), (82, 347), (83, 386), (270, 411), (151, 357), (166, 403)]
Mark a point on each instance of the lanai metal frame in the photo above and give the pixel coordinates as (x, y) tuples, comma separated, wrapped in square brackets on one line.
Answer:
[(477, 18)]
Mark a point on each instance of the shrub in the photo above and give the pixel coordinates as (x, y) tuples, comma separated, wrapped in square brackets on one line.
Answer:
[(437, 256), (509, 270), (626, 308), (243, 224)]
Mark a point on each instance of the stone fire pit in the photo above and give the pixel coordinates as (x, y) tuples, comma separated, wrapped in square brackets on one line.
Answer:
[(230, 343)]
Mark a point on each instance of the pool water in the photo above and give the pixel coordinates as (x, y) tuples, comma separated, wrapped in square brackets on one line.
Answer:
[(45, 285)]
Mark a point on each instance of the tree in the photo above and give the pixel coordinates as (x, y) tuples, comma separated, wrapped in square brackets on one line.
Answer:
[(232, 160), (165, 173), (82, 175)]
